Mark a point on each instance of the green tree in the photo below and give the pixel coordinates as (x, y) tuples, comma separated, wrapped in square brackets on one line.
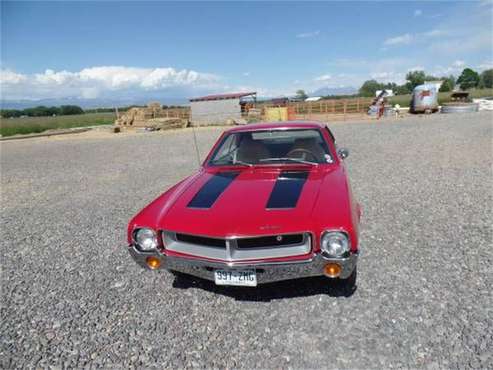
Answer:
[(415, 78), (402, 90), (70, 109), (9, 113), (468, 79), (38, 111), (369, 88), (448, 84), (486, 79), (301, 94)]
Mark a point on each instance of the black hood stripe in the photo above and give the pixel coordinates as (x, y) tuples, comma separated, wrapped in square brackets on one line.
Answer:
[(287, 189), (212, 189)]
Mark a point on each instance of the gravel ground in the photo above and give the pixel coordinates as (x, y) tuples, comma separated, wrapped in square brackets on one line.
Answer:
[(72, 296)]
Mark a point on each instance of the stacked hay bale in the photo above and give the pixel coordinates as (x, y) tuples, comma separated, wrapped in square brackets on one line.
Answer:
[(153, 116), (127, 118)]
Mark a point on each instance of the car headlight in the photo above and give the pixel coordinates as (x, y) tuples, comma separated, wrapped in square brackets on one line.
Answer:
[(146, 239), (334, 244)]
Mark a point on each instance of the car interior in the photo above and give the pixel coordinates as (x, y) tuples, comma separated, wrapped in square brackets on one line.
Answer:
[(255, 148)]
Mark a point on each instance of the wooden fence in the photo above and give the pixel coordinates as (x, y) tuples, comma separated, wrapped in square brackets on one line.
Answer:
[(334, 106), (326, 109), (320, 110)]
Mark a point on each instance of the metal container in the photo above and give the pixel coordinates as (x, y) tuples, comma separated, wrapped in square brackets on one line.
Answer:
[(460, 108), (424, 99)]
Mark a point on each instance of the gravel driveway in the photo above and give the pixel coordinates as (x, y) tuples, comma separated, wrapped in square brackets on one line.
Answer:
[(72, 296)]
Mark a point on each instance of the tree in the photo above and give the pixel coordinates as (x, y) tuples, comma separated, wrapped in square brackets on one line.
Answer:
[(468, 79), (402, 90), (370, 87), (70, 109), (415, 78), (9, 113), (448, 84), (486, 79), (301, 94)]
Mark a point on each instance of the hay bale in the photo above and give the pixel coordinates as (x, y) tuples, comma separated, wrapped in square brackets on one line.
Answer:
[(154, 105), (167, 123)]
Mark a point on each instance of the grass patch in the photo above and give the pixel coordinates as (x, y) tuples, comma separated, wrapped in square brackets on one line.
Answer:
[(443, 97), (31, 125)]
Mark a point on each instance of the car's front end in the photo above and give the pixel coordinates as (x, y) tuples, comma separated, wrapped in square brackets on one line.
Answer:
[(280, 209), (246, 260)]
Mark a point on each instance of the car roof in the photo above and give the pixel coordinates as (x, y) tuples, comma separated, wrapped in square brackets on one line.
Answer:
[(284, 125)]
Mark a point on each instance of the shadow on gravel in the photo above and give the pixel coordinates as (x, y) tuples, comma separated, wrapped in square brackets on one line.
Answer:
[(267, 292)]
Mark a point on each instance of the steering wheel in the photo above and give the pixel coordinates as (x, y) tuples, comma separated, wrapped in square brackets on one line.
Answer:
[(304, 153)]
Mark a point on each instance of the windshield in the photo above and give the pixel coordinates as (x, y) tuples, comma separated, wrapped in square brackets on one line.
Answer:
[(274, 146)]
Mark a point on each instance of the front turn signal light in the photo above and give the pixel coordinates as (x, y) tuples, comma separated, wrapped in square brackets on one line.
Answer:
[(153, 262), (332, 270)]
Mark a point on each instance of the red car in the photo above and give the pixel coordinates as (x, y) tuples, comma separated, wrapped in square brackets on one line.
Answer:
[(271, 202)]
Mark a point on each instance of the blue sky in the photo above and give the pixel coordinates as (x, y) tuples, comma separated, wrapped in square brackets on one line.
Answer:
[(166, 49)]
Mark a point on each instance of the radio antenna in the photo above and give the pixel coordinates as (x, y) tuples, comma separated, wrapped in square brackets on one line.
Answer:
[(196, 145)]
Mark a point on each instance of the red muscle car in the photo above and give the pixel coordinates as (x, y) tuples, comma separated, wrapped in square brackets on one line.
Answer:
[(271, 202)]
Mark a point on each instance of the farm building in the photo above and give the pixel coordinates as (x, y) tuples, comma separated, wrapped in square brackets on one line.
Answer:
[(221, 109)]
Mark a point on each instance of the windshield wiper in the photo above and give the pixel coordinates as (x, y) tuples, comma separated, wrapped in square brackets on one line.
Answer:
[(243, 163), (229, 163), (297, 160)]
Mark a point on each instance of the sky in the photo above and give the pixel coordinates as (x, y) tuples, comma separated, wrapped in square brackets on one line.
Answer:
[(144, 50)]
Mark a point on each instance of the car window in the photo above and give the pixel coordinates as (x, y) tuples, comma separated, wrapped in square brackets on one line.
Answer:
[(272, 146), (228, 146)]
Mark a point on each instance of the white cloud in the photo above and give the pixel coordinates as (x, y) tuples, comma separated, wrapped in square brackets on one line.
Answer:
[(381, 75), (246, 74), (308, 34), (455, 68), (96, 81), (399, 40), (409, 38), (418, 12), (434, 33), (391, 76), (485, 65), (464, 43), (323, 78), (9, 77), (350, 63)]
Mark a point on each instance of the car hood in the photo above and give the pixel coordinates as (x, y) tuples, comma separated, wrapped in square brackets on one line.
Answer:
[(252, 201)]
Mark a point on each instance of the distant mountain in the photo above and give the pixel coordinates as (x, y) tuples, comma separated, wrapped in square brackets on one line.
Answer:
[(88, 103), (324, 91)]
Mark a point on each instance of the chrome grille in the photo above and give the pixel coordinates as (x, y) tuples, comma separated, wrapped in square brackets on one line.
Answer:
[(237, 249), (270, 241), (201, 240)]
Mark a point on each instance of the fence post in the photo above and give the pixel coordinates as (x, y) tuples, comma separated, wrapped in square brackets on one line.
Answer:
[(345, 108)]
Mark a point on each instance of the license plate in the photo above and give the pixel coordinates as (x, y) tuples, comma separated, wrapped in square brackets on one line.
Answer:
[(236, 277)]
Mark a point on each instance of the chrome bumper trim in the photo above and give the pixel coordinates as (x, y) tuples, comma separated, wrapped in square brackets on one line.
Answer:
[(266, 271)]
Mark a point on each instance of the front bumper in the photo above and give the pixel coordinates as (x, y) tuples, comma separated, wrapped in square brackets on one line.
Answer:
[(267, 272)]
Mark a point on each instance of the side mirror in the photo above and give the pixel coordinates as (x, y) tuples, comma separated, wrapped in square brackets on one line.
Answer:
[(343, 153)]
